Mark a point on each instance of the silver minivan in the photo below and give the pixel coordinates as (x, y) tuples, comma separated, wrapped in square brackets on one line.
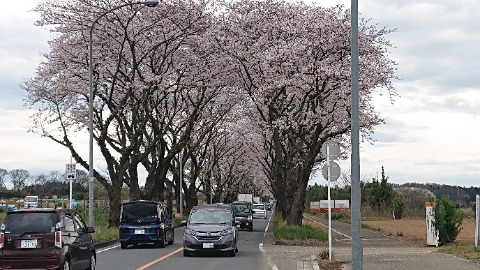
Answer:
[(211, 228)]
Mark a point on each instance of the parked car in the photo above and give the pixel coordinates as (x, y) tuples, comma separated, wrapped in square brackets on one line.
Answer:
[(211, 228), (243, 214), (6, 208), (259, 210), (46, 238), (145, 222)]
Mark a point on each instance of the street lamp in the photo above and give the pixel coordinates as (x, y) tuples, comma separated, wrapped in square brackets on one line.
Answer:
[(148, 3)]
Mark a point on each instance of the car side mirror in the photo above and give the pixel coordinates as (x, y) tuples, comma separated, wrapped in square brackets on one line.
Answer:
[(183, 223)]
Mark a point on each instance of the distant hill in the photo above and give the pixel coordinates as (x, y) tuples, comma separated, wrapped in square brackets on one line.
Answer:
[(461, 196)]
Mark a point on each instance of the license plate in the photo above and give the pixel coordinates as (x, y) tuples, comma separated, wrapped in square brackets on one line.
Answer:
[(139, 231), (207, 245), (28, 243)]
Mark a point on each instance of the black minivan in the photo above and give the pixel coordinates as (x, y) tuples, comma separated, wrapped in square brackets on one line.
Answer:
[(145, 222)]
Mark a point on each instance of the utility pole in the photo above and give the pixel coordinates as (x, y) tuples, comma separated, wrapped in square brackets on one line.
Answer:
[(357, 249)]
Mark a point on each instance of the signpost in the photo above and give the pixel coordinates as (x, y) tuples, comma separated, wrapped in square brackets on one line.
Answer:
[(331, 172), (71, 172)]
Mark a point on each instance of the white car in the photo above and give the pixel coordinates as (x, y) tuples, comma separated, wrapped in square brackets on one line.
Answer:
[(259, 210)]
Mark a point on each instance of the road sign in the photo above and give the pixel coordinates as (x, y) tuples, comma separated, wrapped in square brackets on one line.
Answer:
[(333, 149), (334, 171), (71, 171)]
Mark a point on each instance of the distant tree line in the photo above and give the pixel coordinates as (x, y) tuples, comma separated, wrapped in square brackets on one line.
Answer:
[(381, 198), (18, 183)]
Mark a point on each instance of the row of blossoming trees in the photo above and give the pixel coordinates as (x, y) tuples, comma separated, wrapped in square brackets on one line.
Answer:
[(244, 91)]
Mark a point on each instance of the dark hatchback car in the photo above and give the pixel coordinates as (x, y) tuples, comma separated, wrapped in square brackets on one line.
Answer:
[(44, 238), (145, 222), (210, 228), (243, 214)]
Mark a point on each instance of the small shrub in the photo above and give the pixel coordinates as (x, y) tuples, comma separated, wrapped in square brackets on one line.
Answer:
[(339, 216), (448, 220), (324, 254)]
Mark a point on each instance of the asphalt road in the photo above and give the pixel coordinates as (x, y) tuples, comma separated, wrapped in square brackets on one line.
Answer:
[(146, 256)]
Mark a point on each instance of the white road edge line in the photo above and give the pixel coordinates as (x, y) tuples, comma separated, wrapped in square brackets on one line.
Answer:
[(260, 246), (327, 228), (269, 260), (107, 249)]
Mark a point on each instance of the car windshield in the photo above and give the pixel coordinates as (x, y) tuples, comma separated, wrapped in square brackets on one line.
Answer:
[(139, 210), (30, 222), (210, 216), (241, 208)]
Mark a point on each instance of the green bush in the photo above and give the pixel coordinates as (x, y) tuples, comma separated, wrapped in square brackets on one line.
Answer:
[(448, 220), (398, 206)]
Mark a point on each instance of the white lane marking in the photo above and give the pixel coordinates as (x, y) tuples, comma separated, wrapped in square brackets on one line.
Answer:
[(107, 249)]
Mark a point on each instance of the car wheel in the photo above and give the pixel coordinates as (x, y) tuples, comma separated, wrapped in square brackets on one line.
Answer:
[(231, 253), (162, 243), (186, 253), (251, 228), (123, 245), (66, 265), (170, 242), (93, 262)]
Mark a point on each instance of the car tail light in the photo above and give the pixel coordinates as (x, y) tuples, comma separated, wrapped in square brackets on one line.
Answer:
[(2, 239), (120, 233), (58, 236)]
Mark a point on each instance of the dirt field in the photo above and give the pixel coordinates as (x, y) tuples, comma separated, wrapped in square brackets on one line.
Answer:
[(416, 229)]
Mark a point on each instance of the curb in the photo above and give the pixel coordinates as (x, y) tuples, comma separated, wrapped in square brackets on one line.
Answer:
[(106, 244)]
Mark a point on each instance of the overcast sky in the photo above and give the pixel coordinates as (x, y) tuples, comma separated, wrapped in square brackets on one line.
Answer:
[(431, 131)]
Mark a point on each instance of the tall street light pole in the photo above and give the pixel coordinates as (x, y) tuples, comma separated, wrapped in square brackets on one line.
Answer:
[(357, 249), (148, 3)]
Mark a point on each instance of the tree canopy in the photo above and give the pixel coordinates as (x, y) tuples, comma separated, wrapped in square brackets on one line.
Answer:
[(248, 91)]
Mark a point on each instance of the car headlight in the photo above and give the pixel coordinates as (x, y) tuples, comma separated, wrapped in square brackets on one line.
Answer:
[(226, 232), (250, 218), (190, 232)]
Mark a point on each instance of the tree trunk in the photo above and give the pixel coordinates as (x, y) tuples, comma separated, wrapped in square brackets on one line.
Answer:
[(114, 196), (191, 199)]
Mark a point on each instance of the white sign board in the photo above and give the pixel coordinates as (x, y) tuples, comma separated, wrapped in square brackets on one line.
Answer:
[(340, 204), (432, 234), (71, 171)]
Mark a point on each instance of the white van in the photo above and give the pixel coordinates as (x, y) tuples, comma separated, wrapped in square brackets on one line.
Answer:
[(30, 202)]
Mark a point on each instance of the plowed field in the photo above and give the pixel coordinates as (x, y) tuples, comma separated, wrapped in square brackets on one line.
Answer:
[(416, 229)]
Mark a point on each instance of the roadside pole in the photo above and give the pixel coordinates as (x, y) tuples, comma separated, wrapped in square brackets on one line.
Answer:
[(331, 172), (477, 219)]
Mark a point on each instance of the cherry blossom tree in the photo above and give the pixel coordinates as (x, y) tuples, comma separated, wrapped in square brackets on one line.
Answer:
[(187, 74), (153, 76), (294, 63)]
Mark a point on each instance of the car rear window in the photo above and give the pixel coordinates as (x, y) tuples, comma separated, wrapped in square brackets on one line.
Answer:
[(134, 211), (241, 208), (30, 222)]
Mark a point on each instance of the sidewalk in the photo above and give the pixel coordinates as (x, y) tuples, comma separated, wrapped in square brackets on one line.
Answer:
[(282, 257), (379, 252)]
